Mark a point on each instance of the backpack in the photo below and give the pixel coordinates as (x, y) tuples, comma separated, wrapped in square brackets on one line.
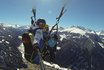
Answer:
[(52, 42)]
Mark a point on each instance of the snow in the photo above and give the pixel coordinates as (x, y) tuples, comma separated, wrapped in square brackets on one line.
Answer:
[(0, 41), (62, 37), (21, 49), (9, 35), (16, 26), (101, 44), (20, 37), (74, 30), (10, 54), (76, 37), (8, 25), (78, 30), (7, 42), (101, 33), (55, 66), (98, 33), (58, 48), (3, 40), (4, 28), (91, 32)]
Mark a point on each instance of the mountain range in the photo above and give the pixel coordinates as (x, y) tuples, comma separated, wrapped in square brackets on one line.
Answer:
[(81, 48)]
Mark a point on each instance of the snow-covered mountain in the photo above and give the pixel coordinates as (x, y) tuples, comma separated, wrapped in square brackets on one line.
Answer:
[(10, 56), (101, 34), (81, 31), (78, 30), (81, 48), (15, 26)]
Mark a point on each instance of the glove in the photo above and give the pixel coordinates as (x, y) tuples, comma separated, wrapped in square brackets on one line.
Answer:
[(36, 46)]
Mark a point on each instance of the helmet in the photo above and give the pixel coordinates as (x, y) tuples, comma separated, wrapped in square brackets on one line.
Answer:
[(41, 21)]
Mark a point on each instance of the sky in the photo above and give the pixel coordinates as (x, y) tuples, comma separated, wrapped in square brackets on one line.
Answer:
[(86, 13)]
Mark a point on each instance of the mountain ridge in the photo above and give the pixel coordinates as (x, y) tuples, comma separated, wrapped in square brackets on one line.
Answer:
[(77, 49)]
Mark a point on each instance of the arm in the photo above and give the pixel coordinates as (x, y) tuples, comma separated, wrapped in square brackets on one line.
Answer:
[(38, 36)]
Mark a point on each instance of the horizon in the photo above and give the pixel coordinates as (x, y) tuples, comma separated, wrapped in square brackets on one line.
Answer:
[(50, 26), (85, 13)]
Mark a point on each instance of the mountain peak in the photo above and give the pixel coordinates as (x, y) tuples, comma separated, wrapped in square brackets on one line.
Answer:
[(78, 29), (61, 28), (9, 25)]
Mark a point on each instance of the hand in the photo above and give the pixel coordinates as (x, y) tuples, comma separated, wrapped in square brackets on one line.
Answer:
[(36, 45)]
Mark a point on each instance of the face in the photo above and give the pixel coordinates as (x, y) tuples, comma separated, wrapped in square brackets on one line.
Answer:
[(41, 25), (47, 29)]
